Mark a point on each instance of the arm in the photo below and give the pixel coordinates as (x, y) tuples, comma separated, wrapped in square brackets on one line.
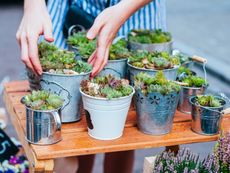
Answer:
[(35, 22), (106, 27)]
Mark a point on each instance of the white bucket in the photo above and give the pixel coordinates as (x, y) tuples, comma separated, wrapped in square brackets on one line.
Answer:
[(106, 118)]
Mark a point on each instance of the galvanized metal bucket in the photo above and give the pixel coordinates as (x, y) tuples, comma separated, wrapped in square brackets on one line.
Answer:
[(117, 68), (206, 120), (155, 47), (34, 80), (43, 127), (66, 86), (170, 74), (106, 118), (184, 104), (155, 112)]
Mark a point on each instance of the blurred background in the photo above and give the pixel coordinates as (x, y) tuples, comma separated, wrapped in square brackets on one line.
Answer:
[(198, 28)]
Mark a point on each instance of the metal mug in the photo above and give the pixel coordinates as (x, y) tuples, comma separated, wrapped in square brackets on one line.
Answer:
[(43, 127)]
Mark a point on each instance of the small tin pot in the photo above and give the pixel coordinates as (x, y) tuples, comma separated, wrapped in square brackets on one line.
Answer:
[(155, 112), (106, 118), (184, 104), (170, 74), (67, 86), (206, 120), (43, 127), (155, 47)]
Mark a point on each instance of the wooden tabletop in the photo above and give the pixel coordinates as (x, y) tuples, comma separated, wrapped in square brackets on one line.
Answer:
[(76, 140)]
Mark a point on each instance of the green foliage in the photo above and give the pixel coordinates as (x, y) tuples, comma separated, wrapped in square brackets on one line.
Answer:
[(184, 70), (106, 87), (85, 50), (149, 37), (57, 60), (208, 101), (77, 38), (154, 60), (194, 81), (119, 50), (42, 100), (158, 83)]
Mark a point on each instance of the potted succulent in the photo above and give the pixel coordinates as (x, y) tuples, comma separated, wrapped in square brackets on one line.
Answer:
[(150, 40), (207, 112), (151, 63), (106, 100), (62, 74), (43, 117), (156, 99), (118, 55), (192, 85)]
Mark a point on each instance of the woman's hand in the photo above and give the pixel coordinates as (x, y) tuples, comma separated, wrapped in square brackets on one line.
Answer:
[(35, 22), (106, 26)]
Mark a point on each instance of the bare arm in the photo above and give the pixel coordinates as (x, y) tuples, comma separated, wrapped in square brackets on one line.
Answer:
[(106, 27), (35, 22)]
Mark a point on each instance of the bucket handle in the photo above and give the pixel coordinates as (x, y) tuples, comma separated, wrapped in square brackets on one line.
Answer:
[(57, 120), (71, 29), (51, 82), (107, 68), (226, 111), (199, 59)]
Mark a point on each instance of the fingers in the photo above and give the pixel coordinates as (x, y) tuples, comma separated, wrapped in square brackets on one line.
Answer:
[(94, 30), (24, 51), (48, 35), (92, 58), (33, 53)]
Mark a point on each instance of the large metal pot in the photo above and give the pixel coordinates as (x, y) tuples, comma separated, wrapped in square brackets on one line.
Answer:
[(155, 112), (184, 104), (155, 47), (170, 74), (67, 86), (207, 120)]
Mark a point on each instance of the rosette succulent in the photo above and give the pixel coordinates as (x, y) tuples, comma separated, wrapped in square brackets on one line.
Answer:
[(58, 61), (106, 87), (42, 100), (154, 60), (149, 36), (158, 83), (209, 101)]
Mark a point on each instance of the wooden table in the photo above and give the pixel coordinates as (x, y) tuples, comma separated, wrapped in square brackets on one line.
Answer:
[(76, 141)]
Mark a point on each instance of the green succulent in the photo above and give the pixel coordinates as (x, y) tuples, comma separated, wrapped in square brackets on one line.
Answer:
[(184, 70), (106, 87), (149, 36), (57, 60), (158, 83), (194, 81), (119, 50), (208, 101), (42, 100), (77, 38), (153, 60)]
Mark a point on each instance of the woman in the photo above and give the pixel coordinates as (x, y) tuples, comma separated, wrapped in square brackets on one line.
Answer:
[(118, 19)]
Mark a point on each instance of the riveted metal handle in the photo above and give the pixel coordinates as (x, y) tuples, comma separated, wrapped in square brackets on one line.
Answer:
[(226, 111), (199, 59)]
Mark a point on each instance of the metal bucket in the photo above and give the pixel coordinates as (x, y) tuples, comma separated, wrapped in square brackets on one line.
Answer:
[(188, 64), (117, 68), (206, 120), (170, 74), (34, 80), (155, 47), (75, 50), (66, 86), (155, 112), (184, 104), (106, 118), (43, 127)]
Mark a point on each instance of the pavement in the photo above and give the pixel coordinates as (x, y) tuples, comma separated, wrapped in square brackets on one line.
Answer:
[(198, 27)]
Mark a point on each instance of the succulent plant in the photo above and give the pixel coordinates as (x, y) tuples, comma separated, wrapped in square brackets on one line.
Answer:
[(77, 38), (106, 87), (154, 60), (194, 81), (158, 83), (119, 50), (209, 101), (149, 36), (58, 61), (42, 100)]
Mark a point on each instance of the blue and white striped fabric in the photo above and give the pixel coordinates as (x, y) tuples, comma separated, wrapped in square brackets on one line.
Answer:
[(151, 16)]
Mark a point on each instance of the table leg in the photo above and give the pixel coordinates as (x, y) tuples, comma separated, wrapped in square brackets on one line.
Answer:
[(43, 166), (174, 148)]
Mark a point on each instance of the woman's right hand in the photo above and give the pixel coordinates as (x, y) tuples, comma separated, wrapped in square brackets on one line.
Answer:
[(35, 22)]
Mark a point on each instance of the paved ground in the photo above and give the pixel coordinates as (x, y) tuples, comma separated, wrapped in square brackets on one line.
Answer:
[(198, 27)]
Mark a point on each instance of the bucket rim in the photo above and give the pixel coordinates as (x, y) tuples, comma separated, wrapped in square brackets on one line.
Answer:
[(196, 88), (206, 107), (106, 99), (150, 44), (139, 90), (66, 75), (175, 67)]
